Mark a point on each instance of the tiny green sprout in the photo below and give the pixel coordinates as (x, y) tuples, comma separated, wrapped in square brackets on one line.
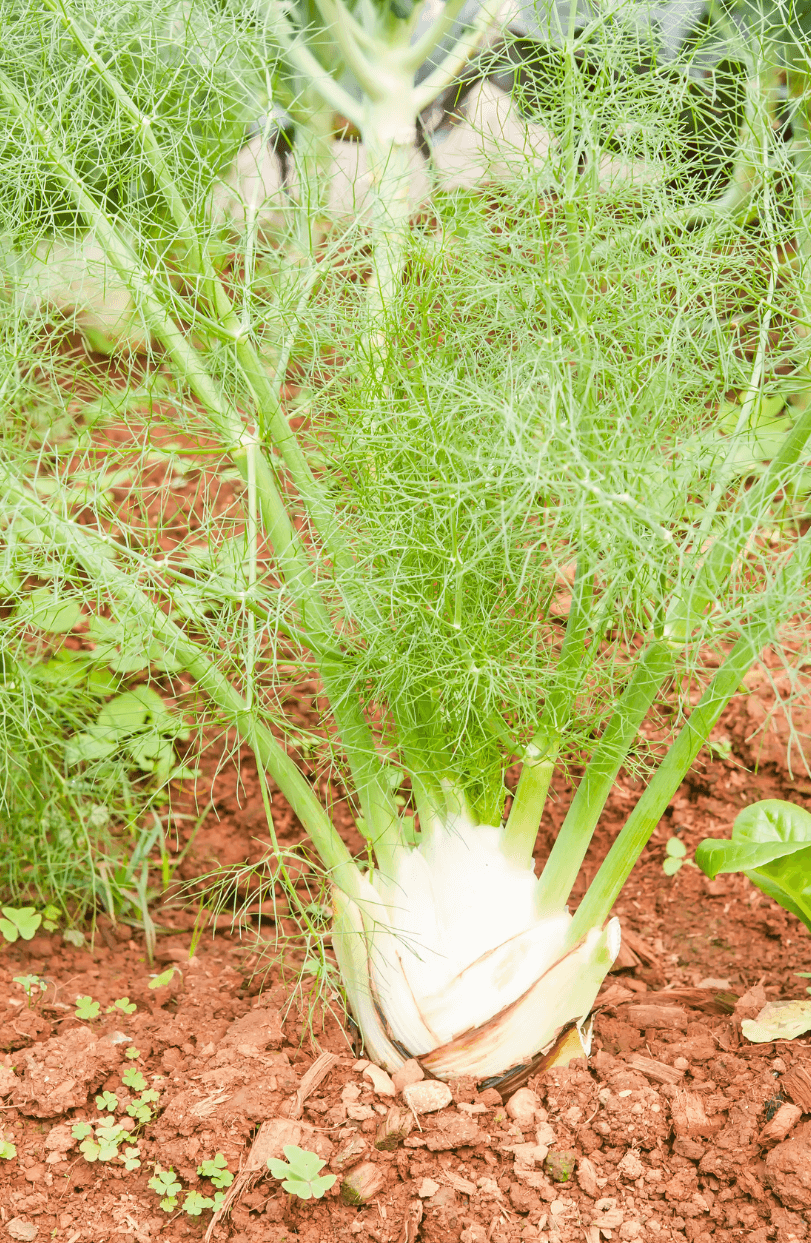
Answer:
[(167, 1186), (722, 747), (165, 977), (81, 1130), (131, 1158), (675, 851), (300, 1173), (132, 1052), (109, 1136), (217, 1171), (21, 921), (8, 1151), (195, 1203), (132, 1078), (124, 1005), (50, 918), (87, 1008), (107, 1100), (30, 982), (804, 975), (140, 1109)]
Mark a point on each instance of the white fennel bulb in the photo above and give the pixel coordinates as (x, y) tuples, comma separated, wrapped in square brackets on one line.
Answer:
[(459, 969)]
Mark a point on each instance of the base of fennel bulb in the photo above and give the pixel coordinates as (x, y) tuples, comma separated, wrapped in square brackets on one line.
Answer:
[(446, 960)]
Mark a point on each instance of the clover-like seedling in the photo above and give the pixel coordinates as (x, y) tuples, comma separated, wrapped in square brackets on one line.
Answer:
[(8, 1151), (30, 984), (300, 1173), (675, 851), (131, 1158), (21, 921), (108, 1136), (81, 1130), (217, 1171), (166, 1185), (132, 1052), (124, 1005), (87, 1008), (196, 1202), (132, 1078), (139, 1109), (107, 1100)]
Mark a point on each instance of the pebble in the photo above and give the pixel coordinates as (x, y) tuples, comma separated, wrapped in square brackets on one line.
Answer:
[(381, 1082), (522, 1107), (427, 1096), (630, 1166), (409, 1072), (427, 1188), (23, 1230)]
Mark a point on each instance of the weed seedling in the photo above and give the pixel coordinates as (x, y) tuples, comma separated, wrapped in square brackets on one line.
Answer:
[(168, 1188), (124, 1005), (675, 851), (300, 1173), (20, 921), (165, 977), (132, 1053), (139, 1109), (195, 1203), (87, 1008), (216, 1171), (132, 1078), (108, 1101), (30, 984), (8, 1151)]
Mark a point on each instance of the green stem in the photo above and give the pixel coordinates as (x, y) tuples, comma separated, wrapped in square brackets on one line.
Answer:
[(574, 837), (521, 829), (800, 90), (93, 554), (635, 834)]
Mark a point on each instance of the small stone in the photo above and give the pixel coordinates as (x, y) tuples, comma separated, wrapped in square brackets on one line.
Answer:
[(560, 1165), (381, 1082), (788, 1170), (474, 1233), (631, 1167), (587, 1178), (491, 1097), (428, 1096), (680, 1063), (360, 1064), (787, 1116), (522, 1107), (427, 1188), (363, 1183), (630, 1230), (409, 1072), (22, 1230)]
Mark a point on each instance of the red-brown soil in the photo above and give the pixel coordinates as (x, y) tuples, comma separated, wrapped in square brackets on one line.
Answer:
[(660, 1136)]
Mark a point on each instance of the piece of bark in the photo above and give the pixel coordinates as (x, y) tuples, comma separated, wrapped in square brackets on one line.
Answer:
[(656, 1072), (708, 1000), (645, 1016), (775, 1132), (411, 1222), (394, 1128), (309, 1082), (796, 1083), (690, 1118)]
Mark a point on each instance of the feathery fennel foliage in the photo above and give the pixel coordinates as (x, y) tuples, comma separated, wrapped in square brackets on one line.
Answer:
[(504, 522)]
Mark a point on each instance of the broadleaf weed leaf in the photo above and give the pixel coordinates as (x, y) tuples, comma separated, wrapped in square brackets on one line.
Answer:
[(107, 1100), (8, 1151), (132, 1078), (124, 1005), (300, 1173), (195, 1203), (87, 1008), (24, 921)]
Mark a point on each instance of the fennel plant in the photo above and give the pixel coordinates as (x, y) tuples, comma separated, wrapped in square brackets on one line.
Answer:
[(501, 540)]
